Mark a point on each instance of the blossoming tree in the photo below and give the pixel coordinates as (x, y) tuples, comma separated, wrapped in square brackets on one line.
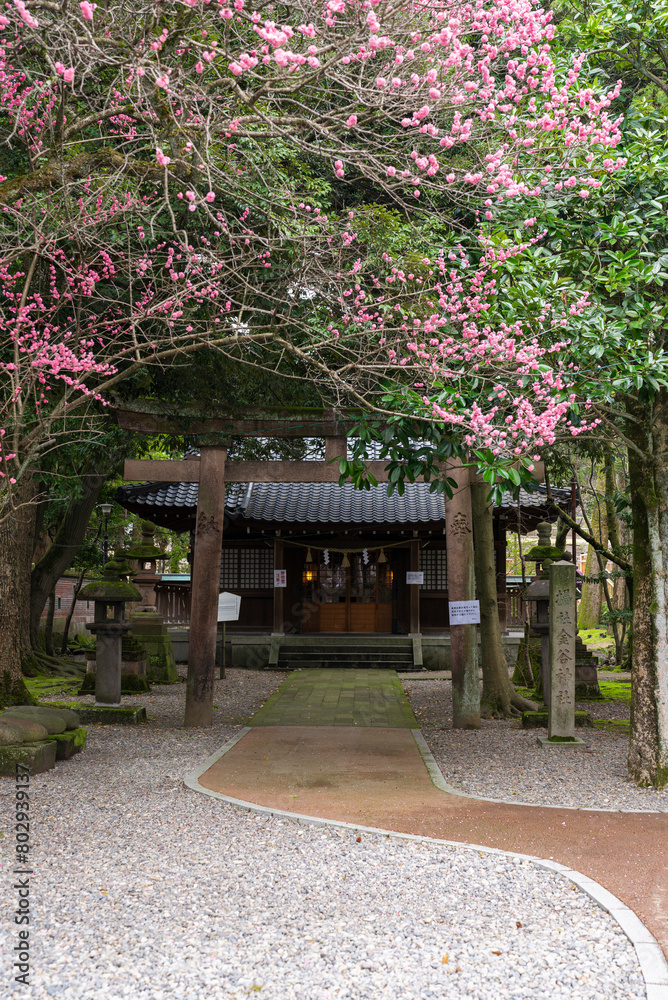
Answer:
[(176, 174)]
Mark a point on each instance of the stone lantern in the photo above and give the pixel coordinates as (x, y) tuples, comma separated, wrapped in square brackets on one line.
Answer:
[(148, 625), (146, 552), (543, 554), (110, 595)]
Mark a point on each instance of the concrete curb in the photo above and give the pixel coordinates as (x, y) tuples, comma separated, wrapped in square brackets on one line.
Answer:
[(653, 964), (440, 782), (650, 954)]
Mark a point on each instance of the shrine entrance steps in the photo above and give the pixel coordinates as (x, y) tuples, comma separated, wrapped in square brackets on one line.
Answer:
[(338, 651)]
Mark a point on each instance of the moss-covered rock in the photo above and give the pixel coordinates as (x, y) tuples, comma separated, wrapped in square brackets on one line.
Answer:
[(109, 591), (33, 732), (37, 757), (108, 716), (55, 720), (538, 553), (69, 743), (10, 732), (134, 683), (145, 550)]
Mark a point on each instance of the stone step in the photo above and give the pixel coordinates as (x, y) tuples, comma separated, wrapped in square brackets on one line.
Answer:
[(287, 664), (348, 654), (337, 641)]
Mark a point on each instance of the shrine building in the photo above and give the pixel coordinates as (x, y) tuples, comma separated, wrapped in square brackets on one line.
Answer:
[(347, 557)]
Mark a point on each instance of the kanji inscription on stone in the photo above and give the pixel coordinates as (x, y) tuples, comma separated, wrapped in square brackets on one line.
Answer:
[(561, 714), (459, 525)]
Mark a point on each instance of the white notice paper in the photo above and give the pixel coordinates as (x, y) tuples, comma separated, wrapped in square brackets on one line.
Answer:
[(412, 576), (228, 607), (464, 612), (280, 578)]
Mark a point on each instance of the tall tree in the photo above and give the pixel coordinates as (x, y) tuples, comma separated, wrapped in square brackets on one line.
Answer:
[(591, 602), (499, 697), (165, 170)]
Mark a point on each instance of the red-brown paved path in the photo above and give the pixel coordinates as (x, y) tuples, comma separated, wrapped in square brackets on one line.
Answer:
[(376, 777)]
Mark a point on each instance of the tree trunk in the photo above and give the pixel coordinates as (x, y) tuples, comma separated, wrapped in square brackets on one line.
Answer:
[(499, 698), (64, 547), (620, 590), (48, 624), (17, 535), (205, 587), (614, 594), (561, 541), (648, 477), (461, 587), (70, 614), (592, 592)]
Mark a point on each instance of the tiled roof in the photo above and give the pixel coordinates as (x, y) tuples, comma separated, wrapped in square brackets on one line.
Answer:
[(315, 503)]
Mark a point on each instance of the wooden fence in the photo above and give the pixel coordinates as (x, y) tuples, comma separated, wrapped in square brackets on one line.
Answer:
[(173, 602)]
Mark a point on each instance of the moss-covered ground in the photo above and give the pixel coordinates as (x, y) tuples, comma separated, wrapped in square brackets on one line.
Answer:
[(47, 688), (616, 690), (611, 691), (613, 725), (598, 640)]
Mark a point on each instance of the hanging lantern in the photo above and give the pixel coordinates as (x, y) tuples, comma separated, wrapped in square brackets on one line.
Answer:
[(309, 557), (346, 561), (382, 558)]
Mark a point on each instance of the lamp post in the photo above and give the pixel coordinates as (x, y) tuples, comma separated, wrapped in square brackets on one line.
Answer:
[(106, 511)]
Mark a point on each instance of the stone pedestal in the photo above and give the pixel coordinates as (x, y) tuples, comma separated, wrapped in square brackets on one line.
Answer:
[(133, 677), (586, 673), (148, 627), (108, 661)]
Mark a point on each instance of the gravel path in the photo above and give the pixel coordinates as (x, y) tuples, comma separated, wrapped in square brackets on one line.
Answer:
[(503, 761), (144, 889)]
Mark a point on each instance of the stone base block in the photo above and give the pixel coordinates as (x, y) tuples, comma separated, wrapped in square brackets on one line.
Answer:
[(112, 716), (588, 692), (69, 743), (130, 684), (108, 716), (149, 629), (560, 743), (538, 720), (38, 757)]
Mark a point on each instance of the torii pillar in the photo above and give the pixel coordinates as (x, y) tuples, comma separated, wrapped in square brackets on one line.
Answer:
[(461, 587), (205, 585)]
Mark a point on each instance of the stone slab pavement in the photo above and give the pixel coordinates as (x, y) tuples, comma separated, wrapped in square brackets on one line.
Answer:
[(326, 697), (374, 775)]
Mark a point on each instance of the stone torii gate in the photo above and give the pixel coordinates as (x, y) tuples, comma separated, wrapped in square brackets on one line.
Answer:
[(213, 431)]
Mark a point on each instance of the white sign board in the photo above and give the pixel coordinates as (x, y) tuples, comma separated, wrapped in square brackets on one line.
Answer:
[(414, 577), (464, 612), (280, 578), (228, 607)]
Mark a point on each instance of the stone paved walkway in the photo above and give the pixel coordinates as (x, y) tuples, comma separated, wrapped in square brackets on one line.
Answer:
[(321, 697)]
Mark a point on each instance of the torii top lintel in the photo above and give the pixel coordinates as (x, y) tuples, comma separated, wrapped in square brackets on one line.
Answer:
[(216, 424)]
